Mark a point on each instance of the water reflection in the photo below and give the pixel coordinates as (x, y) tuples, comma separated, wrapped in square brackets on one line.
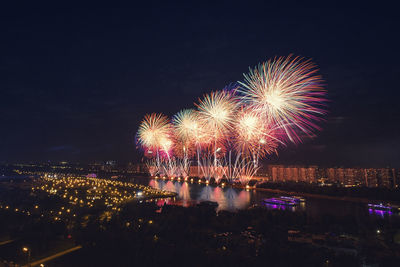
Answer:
[(279, 207), (243, 197), (219, 195), (184, 191), (227, 198), (300, 206), (233, 199), (380, 213), (206, 194), (169, 186)]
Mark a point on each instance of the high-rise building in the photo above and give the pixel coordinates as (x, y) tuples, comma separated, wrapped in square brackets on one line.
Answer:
[(396, 177), (383, 177), (303, 174), (312, 174), (348, 176), (371, 177), (331, 175), (339, 174)]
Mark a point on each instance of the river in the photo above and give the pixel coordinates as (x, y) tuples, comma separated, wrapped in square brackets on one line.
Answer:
[(232, 199)]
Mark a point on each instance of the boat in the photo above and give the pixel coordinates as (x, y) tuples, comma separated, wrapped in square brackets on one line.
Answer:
[(301, 199), (294, 198), (384, 207), (280, 201)]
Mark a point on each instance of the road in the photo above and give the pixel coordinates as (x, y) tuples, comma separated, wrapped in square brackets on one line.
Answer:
[(6, 242), (52, 257)]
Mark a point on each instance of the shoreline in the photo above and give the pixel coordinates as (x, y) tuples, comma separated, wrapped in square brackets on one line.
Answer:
[(310, 195), (363, 200)]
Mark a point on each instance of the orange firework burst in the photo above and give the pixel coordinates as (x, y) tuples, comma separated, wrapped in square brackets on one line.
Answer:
[(155, 132), (253, 135), (217, 112), (186, 125)]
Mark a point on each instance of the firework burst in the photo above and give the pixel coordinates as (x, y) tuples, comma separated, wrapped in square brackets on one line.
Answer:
[(186, 125), (217, 112), (253, 136), (248, 131), (287, 92), (155, 132)]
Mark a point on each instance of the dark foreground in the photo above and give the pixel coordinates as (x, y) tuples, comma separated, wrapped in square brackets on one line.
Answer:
[(143, 234), (197, 236)]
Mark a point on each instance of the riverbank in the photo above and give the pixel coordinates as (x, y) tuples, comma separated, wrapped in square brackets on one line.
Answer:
[(302, 194), (355, 199), (335, 192), (363, 200)]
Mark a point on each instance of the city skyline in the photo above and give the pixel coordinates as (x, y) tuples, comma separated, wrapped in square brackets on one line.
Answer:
[(224, 133), (311, 174)]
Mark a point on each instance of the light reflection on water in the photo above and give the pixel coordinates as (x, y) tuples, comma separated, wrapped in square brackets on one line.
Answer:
[(227, 198), (189, 194), (301, 206), (232, 199), (380, 213)]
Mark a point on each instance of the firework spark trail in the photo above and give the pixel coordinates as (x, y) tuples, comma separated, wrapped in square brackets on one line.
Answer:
[(155, 134), (187, 132), (241, 169), (152, 167), (191, 136), (217, 114)]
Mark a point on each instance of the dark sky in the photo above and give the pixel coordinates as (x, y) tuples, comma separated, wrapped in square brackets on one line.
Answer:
[(75, 82)]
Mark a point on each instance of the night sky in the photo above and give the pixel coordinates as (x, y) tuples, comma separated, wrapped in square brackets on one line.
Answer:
[(75, 82)]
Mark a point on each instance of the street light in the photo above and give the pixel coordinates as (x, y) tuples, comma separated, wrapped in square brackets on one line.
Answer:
[(27, 250)]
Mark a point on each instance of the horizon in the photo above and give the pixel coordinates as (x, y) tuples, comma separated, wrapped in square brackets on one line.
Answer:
[(123, 163)]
